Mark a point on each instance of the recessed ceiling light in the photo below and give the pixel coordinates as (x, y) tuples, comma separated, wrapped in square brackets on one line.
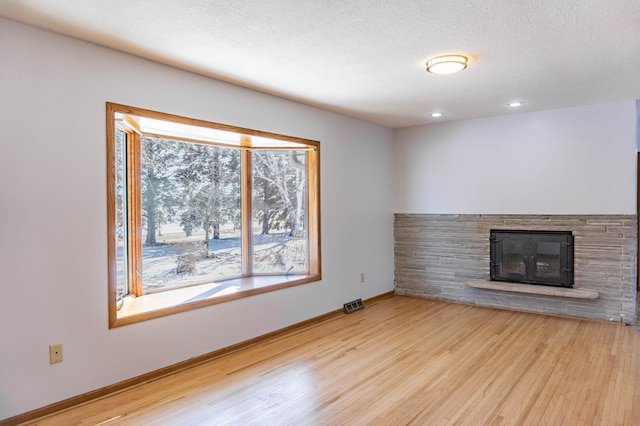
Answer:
[(447, 64), (515, 104), (437, 114)]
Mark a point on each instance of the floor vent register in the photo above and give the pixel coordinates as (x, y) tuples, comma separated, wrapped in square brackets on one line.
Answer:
[(356, 305)]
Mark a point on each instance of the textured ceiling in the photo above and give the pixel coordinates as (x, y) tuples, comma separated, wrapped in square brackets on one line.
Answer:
[(365, 58)]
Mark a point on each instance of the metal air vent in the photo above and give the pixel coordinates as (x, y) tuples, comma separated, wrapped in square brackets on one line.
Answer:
[(356, 305)]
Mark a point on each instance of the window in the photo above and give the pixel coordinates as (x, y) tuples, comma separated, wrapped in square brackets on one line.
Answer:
[(201, 213)]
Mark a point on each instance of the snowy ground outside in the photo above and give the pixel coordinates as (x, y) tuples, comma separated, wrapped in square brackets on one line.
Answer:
[(273, 253)]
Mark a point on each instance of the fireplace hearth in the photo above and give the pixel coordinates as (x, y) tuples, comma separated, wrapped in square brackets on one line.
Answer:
[(532, 257)]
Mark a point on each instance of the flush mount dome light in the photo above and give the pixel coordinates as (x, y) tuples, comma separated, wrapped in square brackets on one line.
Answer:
[(447, 64)]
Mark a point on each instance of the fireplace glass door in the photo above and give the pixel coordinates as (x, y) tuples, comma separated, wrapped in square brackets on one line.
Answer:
[(537, 257)]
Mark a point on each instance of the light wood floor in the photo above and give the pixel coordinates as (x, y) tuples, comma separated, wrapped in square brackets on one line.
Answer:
[(402, 361)]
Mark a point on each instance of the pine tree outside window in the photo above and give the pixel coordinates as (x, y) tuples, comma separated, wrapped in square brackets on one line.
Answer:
[(202, 213)]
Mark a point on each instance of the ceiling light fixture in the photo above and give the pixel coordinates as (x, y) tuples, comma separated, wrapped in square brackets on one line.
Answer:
[(447, 64), (437, 114), (515, 104)]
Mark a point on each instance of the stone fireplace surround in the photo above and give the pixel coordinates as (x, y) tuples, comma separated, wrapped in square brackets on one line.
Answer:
[(437, 255)]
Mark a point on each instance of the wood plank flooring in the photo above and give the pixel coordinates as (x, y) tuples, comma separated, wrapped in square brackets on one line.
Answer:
[(401, 361)]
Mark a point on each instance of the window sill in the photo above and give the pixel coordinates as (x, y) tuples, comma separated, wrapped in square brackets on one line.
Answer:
[(149, 306)]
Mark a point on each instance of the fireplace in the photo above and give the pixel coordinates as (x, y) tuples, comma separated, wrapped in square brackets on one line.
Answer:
[(532, 257), (437, 255)]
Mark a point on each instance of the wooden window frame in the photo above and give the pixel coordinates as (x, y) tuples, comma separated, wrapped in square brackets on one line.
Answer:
[(142, 307)]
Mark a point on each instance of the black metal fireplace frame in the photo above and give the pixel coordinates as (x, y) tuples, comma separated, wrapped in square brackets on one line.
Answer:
[(529, 241)]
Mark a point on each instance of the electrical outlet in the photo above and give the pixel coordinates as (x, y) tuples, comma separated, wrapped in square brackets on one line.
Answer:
[(55, 353), (361, 277)]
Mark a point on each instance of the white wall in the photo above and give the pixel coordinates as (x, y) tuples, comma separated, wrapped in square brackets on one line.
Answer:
[(53, 247), (568, 161), (638, 125)]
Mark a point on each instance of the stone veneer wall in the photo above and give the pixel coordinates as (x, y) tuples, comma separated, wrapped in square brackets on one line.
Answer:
[(436, 254)]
